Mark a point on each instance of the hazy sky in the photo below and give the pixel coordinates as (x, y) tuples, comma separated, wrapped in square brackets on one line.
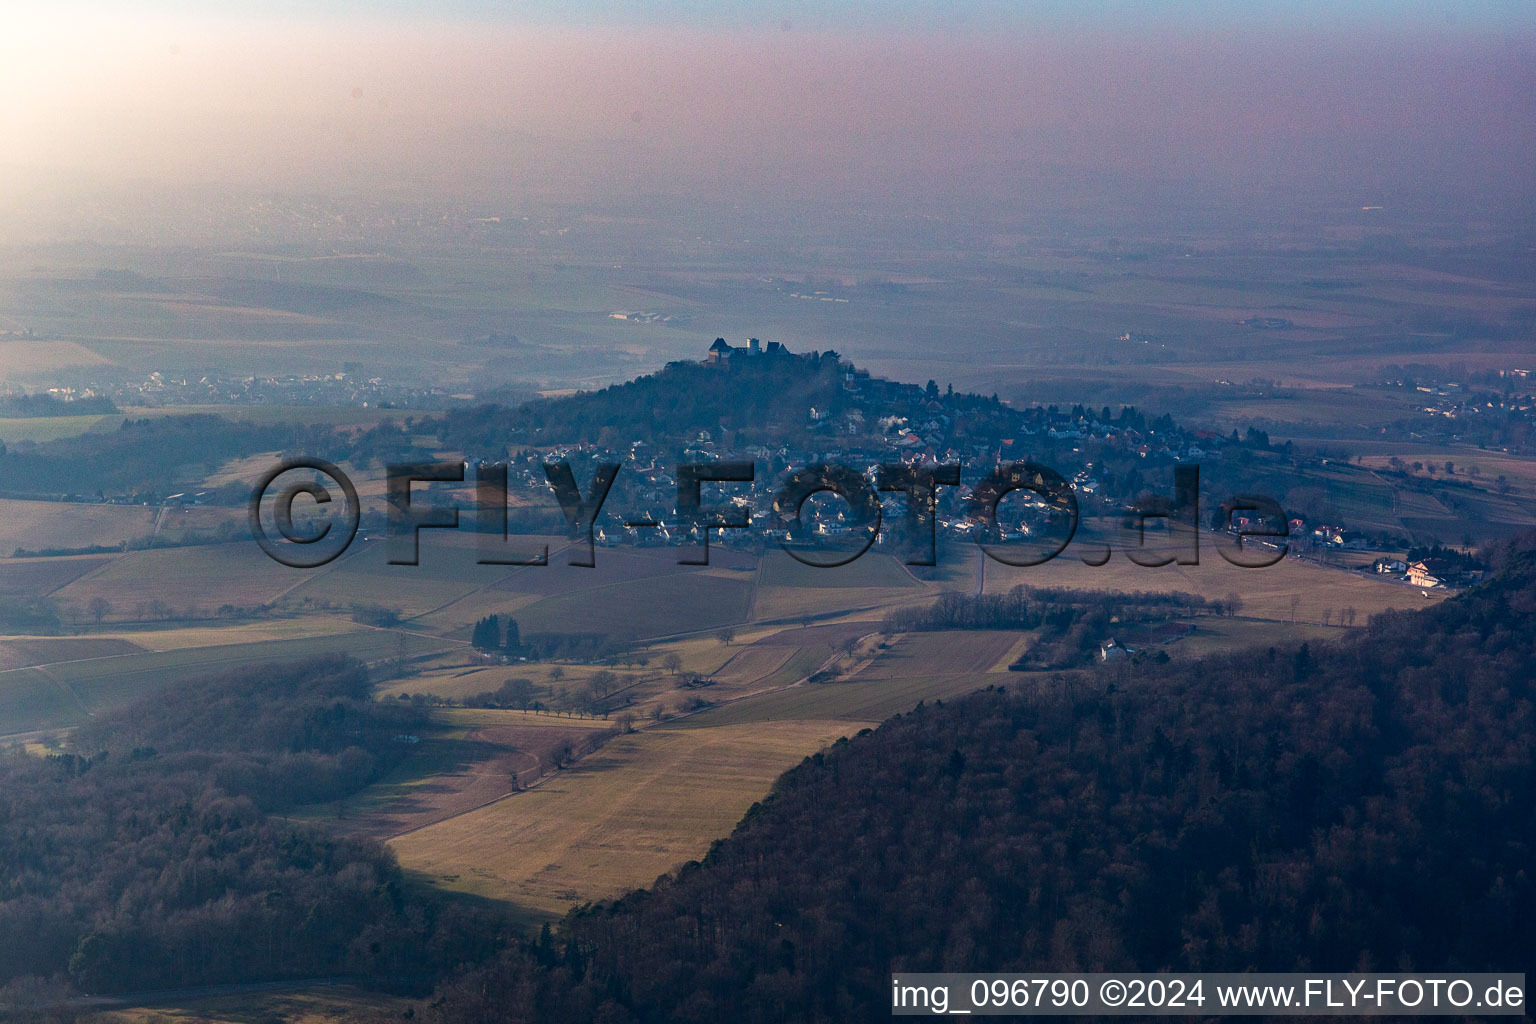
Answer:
[(858, 99)]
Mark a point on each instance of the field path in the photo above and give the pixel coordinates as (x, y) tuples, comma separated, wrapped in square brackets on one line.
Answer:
[(68, 690), (304, 578)]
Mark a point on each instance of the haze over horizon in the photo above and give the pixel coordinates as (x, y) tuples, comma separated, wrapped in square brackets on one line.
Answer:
[(1023, 110)]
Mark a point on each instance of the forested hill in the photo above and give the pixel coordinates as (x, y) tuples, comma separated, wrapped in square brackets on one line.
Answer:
[(1364, 807), (677, 401), (146, 857), (763, 398)]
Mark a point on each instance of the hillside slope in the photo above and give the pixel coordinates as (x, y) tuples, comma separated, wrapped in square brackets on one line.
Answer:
[(1364, 807)]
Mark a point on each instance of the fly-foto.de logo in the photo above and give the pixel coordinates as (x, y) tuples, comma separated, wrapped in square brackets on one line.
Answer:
[(313, 533)]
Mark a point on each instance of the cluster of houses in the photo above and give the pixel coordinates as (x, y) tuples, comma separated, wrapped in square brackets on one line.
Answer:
[(1453, 400), (1331, 536), (872, 421), (348, 388), (875, 422)]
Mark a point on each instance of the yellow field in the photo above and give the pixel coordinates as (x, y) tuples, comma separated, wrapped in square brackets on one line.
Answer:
[(638, 807), (706, 654)]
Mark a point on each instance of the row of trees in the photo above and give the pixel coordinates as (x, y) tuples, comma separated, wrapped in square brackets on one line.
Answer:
[(490, 635)]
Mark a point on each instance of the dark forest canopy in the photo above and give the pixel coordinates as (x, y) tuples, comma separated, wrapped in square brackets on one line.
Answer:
[(1024, 607), (1362, 807), (147, 859)]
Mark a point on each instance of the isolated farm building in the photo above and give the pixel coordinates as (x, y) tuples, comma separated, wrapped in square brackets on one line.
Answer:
[(1109, 650), (1431, 572)]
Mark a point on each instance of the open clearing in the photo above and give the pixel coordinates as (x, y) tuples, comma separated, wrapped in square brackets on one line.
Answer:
[(640, 806)]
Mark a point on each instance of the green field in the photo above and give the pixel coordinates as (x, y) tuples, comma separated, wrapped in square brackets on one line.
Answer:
[(47, 428)]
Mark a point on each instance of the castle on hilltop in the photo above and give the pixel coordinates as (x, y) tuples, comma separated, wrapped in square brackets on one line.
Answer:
[(721, 351)]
